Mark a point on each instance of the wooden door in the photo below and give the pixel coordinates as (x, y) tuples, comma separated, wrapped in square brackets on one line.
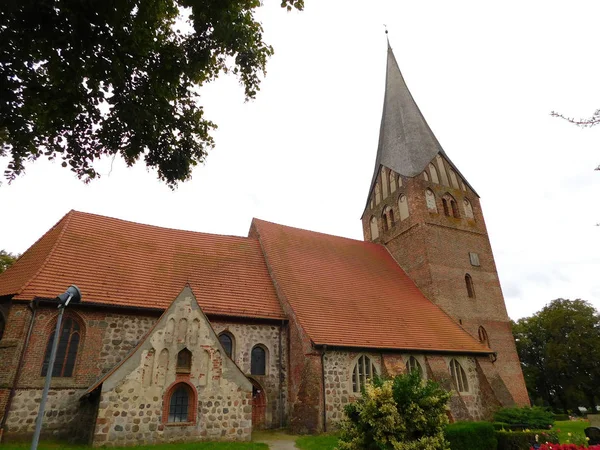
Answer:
[(259, 406)]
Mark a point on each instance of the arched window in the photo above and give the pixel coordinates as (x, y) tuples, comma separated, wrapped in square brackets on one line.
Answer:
[(399, 181), (470, 287), (377, 194), (459, 376), (226, 341), (391, 217), (2, 325), (455, 212), (425, 176), (392, 182), (468, 209), (363, 370), (483, 336), (403, 207), (445, 205), (179, 404), (184, 361), (412, 365), (430, 200), (434, 174), (374, 228), (450, 206), (66, 353), (384, 219), (258, 361)]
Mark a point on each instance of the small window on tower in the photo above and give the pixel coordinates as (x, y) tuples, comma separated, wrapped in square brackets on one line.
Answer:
[(377, 194), (392, 182), (384, 219), (430, 200), (474, 258), (184, 361), (434, 174), (470, 287)]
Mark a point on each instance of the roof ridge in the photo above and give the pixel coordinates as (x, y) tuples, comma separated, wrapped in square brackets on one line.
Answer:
[(83, 213), (312, 231), (67, 218)]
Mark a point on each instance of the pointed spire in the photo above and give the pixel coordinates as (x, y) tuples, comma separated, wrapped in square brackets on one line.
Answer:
[(406, 143)]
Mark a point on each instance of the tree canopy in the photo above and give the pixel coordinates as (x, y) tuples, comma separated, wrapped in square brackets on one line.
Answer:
[(82, 79), (559, 348), (6, 260)]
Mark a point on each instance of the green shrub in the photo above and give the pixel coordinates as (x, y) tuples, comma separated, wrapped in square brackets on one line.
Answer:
[(402, 413), (471, 436), (561, 417), (501, 426), (524, 440), (532, 418)]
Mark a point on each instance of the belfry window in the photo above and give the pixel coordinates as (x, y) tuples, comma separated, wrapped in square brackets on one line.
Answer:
[(66, 353), (450, 206), (413, 365), (470, 287), (459, 376), (384, 219), (363, 371)]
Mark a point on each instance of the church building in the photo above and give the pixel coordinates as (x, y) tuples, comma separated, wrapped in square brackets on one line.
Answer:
[(184, 336)]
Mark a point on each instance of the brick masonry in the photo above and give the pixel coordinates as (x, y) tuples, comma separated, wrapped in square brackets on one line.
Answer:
[(434, 251)]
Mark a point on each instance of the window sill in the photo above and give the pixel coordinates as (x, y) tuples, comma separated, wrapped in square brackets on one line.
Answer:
[(179, 424)]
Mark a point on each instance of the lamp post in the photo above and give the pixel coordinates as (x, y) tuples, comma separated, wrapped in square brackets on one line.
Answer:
[(73, 294)]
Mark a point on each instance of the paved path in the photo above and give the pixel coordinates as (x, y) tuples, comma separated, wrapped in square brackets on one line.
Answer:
[(276, 440)]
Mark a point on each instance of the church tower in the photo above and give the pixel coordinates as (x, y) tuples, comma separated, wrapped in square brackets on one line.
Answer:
[(429, 217)]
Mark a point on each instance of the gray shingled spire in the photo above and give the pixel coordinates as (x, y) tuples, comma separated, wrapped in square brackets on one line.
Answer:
[(406, 143)]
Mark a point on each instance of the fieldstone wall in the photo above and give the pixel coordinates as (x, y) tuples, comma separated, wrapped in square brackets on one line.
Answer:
[(464, 406), (122, 332), (61, 420), (134, 401), (274, 382)]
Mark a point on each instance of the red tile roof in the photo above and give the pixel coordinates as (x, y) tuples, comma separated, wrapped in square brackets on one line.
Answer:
[(352, 293), (115, 262)]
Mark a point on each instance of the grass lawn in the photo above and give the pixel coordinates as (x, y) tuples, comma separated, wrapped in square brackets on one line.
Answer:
[(321, 442), (575, 427), (188, 446)]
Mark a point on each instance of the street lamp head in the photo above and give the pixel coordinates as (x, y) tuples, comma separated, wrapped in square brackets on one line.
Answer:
[(72, 294)]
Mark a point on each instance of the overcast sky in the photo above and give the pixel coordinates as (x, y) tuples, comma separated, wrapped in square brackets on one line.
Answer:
[(486, 76)]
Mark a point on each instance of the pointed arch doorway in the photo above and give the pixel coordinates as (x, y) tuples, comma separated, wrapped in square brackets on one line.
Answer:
[(259, 405)]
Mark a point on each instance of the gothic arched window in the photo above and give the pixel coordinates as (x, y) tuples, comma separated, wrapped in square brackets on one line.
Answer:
[(363, 370), (180, 401), (384, 219), (459, 376), (66, 353), (403, 207), (384, 181), (390, 215), (226, 341), (258, 361), (184, 361), (377, 194), (450, 206), (470, 287), (374, 227), (483, 336), (412, 365)]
